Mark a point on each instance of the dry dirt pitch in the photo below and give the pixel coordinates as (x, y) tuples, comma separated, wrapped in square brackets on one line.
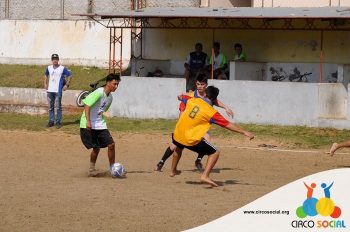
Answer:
[(44, 184)]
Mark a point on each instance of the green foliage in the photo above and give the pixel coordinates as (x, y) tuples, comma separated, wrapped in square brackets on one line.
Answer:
[(32, 76)]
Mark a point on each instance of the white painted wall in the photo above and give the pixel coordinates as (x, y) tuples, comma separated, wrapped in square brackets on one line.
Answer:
[(141, 97), (77, 42), (31, 96), (254, 71), (329, 71), (259, 102)]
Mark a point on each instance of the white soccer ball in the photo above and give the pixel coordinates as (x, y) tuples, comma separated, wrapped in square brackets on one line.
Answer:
[(117, 170)]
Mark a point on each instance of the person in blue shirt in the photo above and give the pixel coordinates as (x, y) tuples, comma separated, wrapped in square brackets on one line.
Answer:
[(56, 80), (195, 64)]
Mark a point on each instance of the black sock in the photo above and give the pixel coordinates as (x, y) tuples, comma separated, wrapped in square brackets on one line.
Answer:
[(199, 158), (168, 152)]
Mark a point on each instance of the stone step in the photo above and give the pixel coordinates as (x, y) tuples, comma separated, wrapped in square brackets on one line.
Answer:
[(36, 109)]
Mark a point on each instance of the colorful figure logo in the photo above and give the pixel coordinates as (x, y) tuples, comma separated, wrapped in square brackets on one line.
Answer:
[(323, 206)]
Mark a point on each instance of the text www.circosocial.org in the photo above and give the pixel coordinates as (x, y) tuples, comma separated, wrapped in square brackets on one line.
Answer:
[(256, 212)]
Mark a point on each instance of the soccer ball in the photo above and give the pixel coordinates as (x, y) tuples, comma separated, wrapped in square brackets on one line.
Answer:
[(117, 170)]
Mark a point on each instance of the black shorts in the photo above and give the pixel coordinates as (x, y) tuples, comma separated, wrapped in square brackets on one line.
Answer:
[(202, 148), (95, 138)]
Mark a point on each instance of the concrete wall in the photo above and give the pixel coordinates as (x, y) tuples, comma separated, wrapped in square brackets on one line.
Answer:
[(330, 71), (87, 43), (173, 3), (77, 42), (2, 9), (229, 3), (63, 9), (279, 103), (172, 68), (260, 46), (139, 97), (253, 71), (29, 96)]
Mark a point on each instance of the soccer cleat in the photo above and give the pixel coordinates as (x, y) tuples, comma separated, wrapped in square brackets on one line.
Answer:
[(159, 167), (199, 165)]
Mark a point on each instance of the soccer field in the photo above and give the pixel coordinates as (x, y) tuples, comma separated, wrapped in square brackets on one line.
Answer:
[(44, 184)]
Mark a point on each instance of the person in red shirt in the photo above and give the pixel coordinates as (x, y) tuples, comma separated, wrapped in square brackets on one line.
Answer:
[(192, 126), (201, 85)]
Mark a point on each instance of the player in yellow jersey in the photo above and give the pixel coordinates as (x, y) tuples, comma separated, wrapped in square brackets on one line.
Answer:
[(199, 92), (192, 126)]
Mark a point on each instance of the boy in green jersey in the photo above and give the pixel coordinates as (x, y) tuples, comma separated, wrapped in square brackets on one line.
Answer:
[(93, 128)]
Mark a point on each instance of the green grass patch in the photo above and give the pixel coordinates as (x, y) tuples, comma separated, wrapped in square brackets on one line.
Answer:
[(292, 136), (32, 76)]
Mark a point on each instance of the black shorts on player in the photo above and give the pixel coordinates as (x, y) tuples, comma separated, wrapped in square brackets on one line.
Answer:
[(95, 138), (202, 148)]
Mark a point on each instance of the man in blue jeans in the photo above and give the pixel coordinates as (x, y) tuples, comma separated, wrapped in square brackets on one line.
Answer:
[(57, 79)]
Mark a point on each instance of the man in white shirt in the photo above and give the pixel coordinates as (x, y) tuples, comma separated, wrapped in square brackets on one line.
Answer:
[(57, 79)]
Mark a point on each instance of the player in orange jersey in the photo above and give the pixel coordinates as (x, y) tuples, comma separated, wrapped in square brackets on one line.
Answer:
[(192, 126), (199, 92)]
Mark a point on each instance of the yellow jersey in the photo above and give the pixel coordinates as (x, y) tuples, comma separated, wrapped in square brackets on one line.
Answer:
[(196, 120)]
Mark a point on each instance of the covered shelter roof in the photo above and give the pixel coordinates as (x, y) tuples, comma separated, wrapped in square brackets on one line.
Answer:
[(239, 18), (237, 12), (279, 18)]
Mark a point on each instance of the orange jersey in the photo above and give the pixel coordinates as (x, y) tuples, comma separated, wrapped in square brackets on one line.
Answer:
[(196, 120)]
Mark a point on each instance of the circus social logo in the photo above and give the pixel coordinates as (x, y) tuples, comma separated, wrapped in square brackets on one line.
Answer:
[(323, 206)]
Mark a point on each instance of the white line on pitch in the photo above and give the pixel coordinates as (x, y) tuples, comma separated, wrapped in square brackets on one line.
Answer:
[(282, 150)]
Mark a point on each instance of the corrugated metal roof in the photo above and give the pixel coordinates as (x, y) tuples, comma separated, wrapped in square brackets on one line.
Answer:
[(239, 12)]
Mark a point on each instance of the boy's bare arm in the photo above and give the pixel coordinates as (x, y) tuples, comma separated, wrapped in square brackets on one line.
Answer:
[(233, 127), (229, 112)]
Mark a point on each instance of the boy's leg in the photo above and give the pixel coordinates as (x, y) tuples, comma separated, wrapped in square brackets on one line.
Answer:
[(168, 152), (93, 159), (111, 154), (176, 157), (212, 159), (198, 161), (336, 146), (105, 139)]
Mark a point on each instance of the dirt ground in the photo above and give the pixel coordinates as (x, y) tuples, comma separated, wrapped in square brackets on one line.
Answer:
[(44, 184)]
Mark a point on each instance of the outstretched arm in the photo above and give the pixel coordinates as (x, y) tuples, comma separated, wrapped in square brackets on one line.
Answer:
[(229, 112), (330, 185), (233, 127), (221, 121)]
